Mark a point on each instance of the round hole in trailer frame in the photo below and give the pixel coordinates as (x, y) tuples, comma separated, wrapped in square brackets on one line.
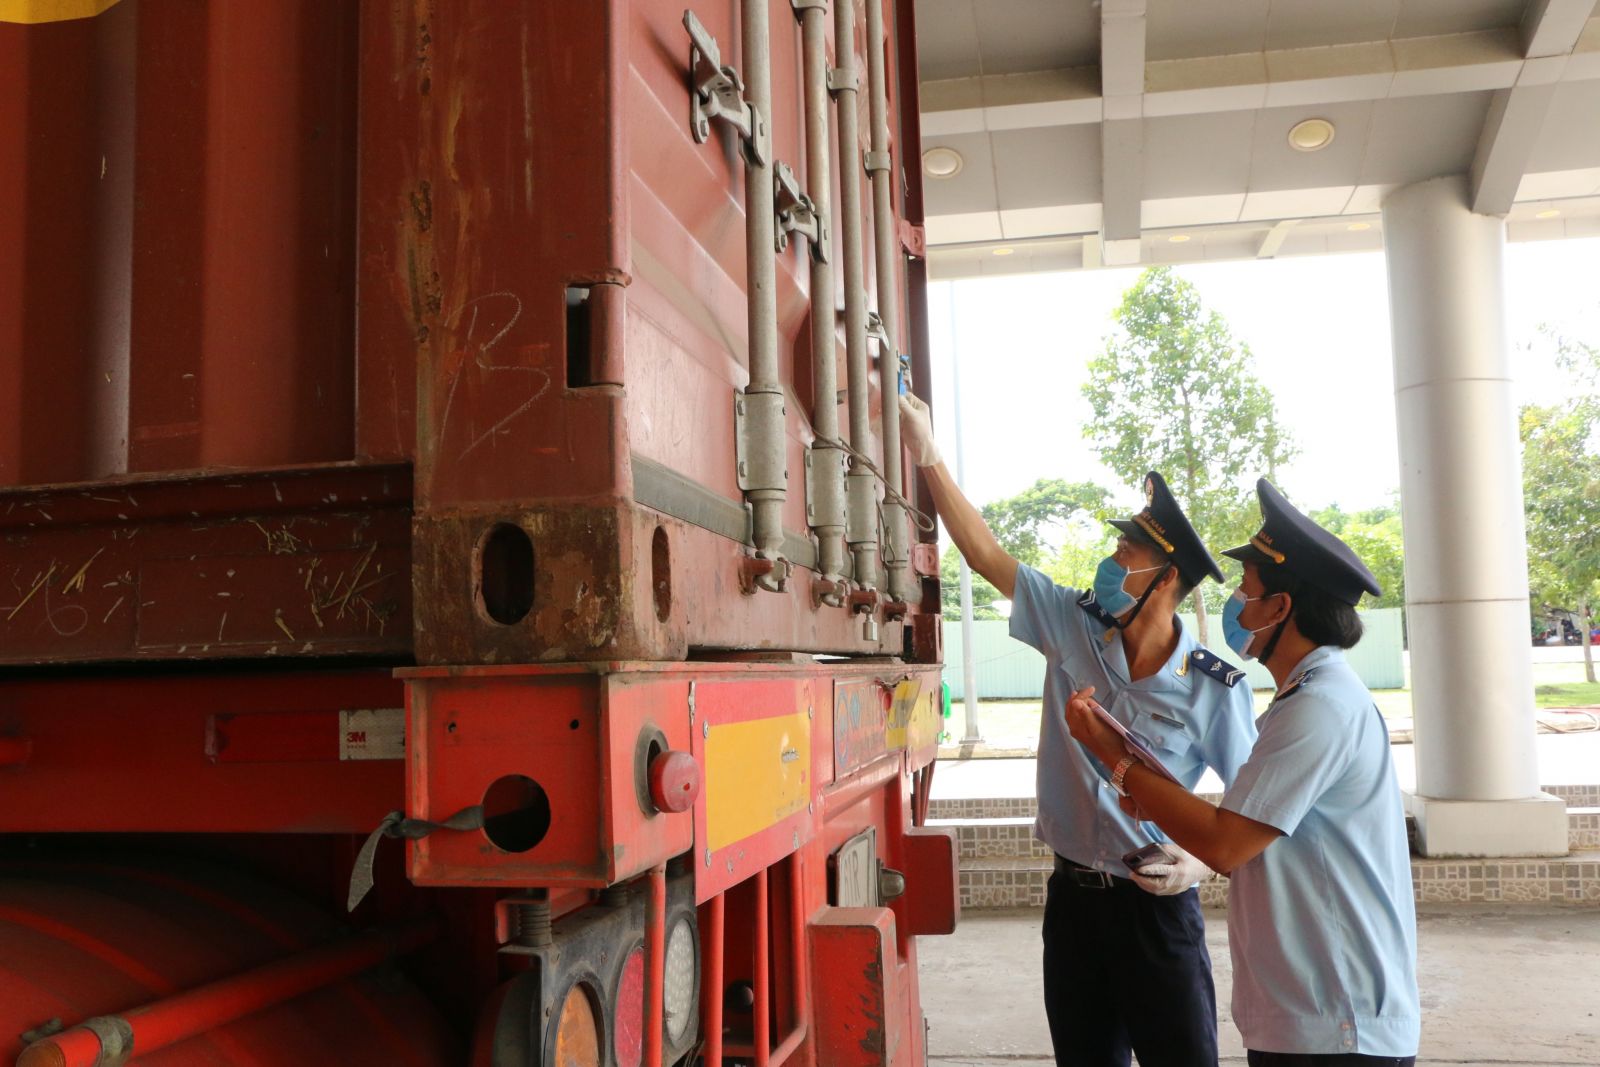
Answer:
[(516, 813)]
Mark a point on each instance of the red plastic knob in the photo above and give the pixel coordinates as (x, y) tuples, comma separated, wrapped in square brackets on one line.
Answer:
[(674, 781)]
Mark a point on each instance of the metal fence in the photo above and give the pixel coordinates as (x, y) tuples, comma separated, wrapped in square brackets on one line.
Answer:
[(1010, 670)]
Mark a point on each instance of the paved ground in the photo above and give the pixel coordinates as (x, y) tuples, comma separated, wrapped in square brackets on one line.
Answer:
[(1504, 986)]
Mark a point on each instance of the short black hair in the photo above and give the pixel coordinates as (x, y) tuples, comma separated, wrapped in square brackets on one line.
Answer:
[(1321, 618)]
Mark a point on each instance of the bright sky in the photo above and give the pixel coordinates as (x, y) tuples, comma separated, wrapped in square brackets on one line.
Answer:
[(1318, 328)]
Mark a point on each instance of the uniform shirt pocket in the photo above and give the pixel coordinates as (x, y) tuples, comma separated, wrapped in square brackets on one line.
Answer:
[(1162, 732)]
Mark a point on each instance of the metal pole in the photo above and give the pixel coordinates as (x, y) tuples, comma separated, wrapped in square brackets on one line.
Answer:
[(762, 403), (969, 654), (655, 940), (862, 492), (825, 477), (711, 986), (197, 1011), (896, 554)]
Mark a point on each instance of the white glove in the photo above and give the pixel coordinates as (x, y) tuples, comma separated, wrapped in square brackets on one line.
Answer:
[(916, 432), (1170, 879)]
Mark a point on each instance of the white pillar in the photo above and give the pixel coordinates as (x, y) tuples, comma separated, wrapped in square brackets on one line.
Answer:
[(1466, 552), (969, 650)]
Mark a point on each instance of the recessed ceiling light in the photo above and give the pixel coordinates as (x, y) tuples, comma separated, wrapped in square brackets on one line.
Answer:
[(1004, 251), (941, 162), (1547, 213), (1311, 135), (1178, 238), (1359, 226)]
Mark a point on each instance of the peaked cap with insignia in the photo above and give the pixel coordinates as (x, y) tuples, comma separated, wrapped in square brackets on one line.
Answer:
[(1289, 540), (1163, 524)]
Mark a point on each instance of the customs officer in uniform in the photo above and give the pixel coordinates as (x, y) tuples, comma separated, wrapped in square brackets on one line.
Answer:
[(1320, 916), (1125, 962)]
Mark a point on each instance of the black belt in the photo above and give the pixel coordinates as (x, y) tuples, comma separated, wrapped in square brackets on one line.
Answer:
[(1087, 877)]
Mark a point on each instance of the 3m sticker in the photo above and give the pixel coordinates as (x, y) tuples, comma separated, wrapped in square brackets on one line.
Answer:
[(372, 733)]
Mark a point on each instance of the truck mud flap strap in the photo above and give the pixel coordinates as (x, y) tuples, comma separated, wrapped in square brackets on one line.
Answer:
[(396, 825)]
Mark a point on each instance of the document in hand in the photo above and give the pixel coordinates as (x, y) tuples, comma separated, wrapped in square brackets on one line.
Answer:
[(1135, 746)]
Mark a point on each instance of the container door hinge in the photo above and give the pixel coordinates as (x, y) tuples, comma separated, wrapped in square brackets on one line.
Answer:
[(796, 213), (913, 239), (715, 92)]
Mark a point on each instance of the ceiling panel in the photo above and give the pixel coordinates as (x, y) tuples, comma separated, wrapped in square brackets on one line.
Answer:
[(1276, 165), (945, 32), (971, 188), (1025, 35), (1420, 137), (1313, 23), (1197, 155), (1054, 165), (1570, 138), (1184, 29), (1425, 18)]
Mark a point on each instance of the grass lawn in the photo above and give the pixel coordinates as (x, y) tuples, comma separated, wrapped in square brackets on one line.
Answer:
[(1014, 724)]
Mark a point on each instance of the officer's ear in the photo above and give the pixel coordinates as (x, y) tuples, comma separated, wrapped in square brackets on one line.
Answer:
[(1281, 608)]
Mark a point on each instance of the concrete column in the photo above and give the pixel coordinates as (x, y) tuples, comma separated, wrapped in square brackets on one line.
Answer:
[(1466, 552)]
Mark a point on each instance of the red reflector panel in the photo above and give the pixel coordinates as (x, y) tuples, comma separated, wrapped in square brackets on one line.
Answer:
[(630, 1011)]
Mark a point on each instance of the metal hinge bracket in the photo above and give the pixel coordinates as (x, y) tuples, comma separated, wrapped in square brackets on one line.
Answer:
[(876, 331), (876, 161), (715, 92), (842, 81), (796, 213)]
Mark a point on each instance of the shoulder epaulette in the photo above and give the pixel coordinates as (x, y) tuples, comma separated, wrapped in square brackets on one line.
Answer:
[(1214, 667), (1289, 689), (1091, 605)]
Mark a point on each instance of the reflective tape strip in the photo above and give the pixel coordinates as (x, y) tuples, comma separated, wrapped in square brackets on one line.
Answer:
[(33, 11)]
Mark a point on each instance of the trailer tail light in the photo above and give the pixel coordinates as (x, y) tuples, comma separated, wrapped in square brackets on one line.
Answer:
[(581, 1000), (577, 1029)]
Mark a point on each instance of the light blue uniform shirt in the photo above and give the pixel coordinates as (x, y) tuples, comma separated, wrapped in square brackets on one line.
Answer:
[(1190, 719), (1321, 924)]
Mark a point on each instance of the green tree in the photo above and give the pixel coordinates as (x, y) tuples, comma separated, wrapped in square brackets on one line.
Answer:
[(1561, 491), (1375, 535), (983, 594), (1174, 391), (1032, 526)]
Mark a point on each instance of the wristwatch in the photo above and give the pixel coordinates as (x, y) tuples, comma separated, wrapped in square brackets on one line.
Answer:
[(1120, 772)]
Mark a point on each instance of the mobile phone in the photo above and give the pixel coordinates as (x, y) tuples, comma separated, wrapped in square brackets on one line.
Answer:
[(1152, 853)]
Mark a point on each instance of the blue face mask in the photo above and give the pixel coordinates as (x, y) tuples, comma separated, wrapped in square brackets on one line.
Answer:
[(1108, 581), (1234, 632)]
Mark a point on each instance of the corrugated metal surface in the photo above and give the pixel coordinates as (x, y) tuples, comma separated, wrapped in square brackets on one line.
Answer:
[(1010, 670), (192, 196)]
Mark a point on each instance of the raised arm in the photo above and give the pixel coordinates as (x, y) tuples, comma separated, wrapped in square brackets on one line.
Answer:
[(972, 535)]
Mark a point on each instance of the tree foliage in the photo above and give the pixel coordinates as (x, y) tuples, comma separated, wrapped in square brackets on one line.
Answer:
[(1032, 526), (1561, 488), (1375, 535), (1174, 391)]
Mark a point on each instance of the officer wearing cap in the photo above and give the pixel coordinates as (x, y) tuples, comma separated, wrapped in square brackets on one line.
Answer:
[(1320, 915), (1125, 962)]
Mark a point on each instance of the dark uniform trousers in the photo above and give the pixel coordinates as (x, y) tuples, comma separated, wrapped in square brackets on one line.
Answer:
[(1126, 971)]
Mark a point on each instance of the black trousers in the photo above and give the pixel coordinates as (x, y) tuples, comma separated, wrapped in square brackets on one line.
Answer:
[(1126, 972), (1336, 1059)]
